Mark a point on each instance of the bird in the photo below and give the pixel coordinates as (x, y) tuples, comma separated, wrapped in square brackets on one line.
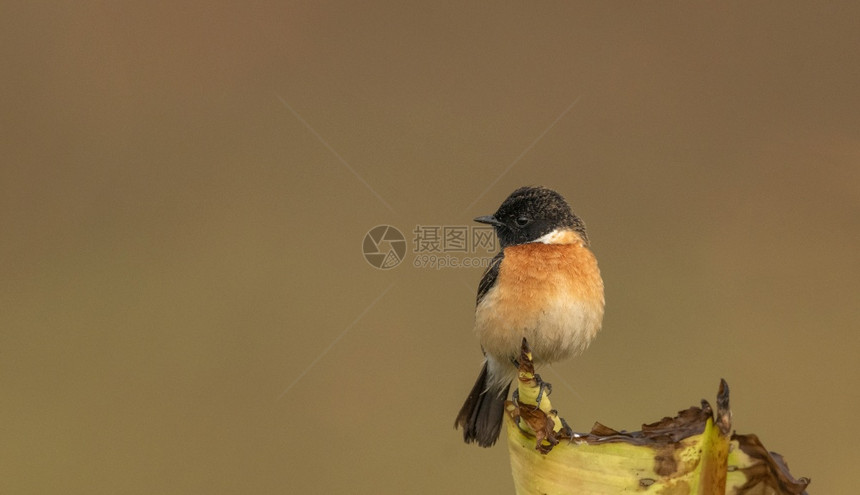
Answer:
[(543, 285)]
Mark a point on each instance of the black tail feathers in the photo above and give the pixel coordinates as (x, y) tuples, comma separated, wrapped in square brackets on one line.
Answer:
[(481, 414)]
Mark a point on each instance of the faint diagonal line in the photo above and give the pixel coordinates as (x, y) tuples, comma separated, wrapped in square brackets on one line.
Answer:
[(566, 384), (333, 152), (517, 159), (335, 341)]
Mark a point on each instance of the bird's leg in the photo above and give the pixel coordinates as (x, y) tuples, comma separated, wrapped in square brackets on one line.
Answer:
[(566, 428), (542, 386)]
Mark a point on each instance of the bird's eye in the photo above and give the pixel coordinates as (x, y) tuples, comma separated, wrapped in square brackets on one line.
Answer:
[(522, 221)]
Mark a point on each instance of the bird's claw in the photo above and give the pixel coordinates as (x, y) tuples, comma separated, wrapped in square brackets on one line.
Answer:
[(542, 386)]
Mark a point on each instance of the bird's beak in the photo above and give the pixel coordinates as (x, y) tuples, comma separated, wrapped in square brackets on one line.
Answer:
[(489, 219)]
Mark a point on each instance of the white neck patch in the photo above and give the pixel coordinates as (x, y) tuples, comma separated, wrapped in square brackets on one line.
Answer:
[(560, 236)]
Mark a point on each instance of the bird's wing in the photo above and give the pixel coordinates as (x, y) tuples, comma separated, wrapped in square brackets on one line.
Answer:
[(490, 276)]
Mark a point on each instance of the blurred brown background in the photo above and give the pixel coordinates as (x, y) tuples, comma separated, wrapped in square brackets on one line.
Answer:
[(185, 307)]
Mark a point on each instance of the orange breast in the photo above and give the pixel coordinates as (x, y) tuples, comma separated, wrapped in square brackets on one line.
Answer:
[(552, 294)]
